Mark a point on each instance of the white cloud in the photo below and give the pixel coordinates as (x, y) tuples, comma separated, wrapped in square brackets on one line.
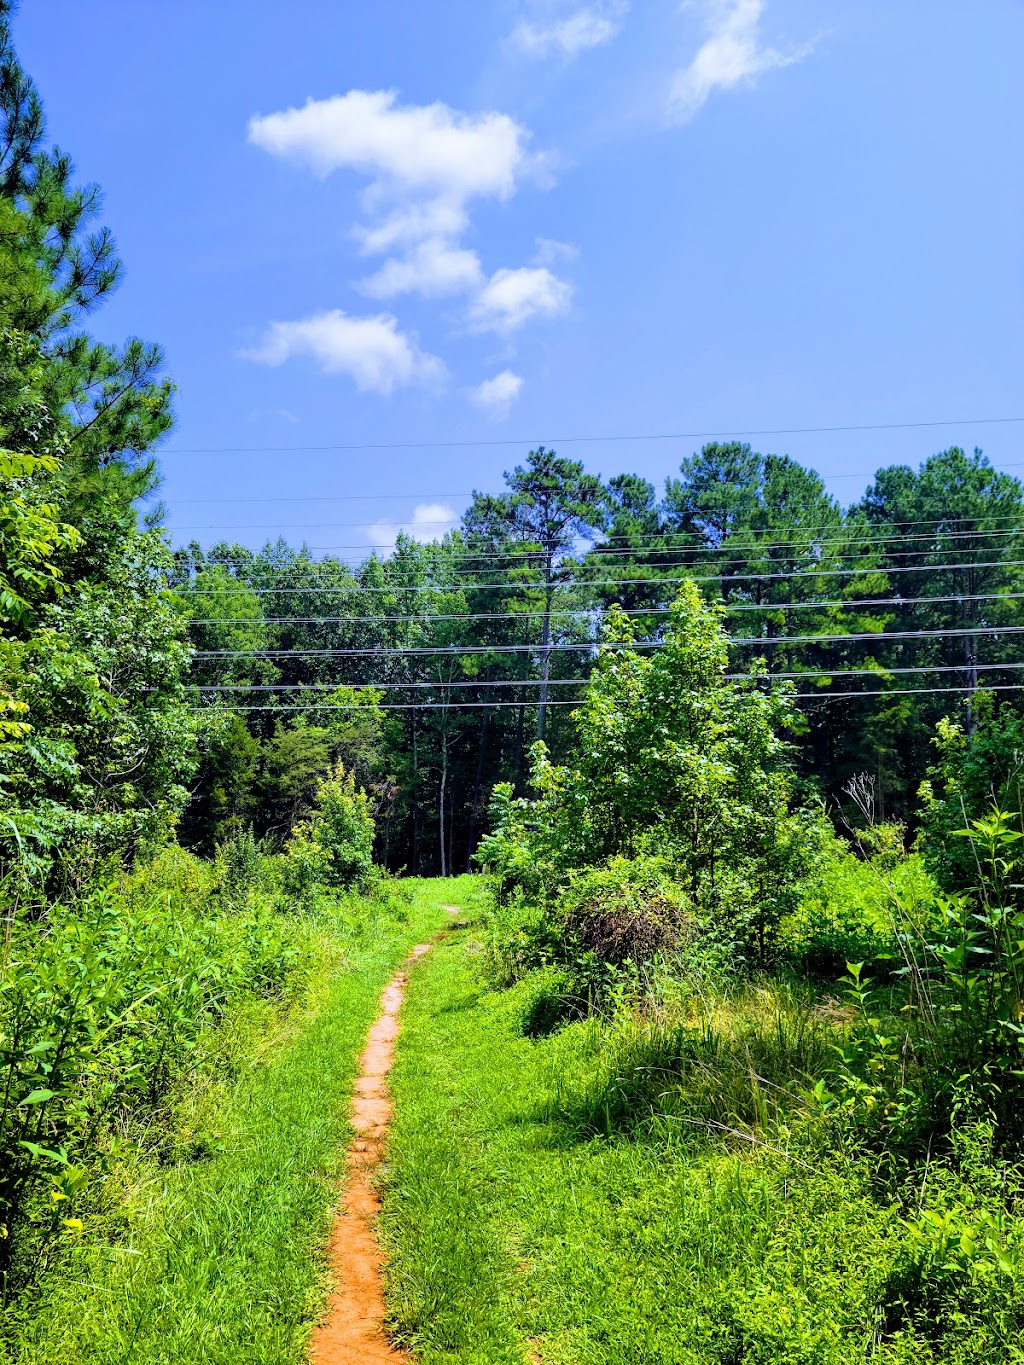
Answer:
[(496, 396), (589, 27), (552, 252), (425, 165), (413, 223), (512, 297), (430, 148), (433, 268), (371, 350), (730, 55), (429, 521)]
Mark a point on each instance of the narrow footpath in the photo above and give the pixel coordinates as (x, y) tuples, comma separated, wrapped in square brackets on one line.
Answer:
[(353, 1331)]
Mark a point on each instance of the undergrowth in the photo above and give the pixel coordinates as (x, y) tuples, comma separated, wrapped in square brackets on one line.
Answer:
[(177, 1207), (662, 1182)]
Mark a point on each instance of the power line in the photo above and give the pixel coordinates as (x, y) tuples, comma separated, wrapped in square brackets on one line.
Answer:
[(610, 582), (760, 641), (631, 612), (742, 550), (517, 705), (658, 538), (584, 682), (322, 497), (424, 618), (721, 434), (903, 692)]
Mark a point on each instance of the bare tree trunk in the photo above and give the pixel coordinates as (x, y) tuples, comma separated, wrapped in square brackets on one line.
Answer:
[(444, 784), (415, 802), (474, 807), (545, 648), (971, 646), (451, 831)]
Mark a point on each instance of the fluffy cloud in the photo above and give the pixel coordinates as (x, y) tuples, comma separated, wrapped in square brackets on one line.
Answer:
[(731, 54), (372, 350), (425, 164), (430, 148), (429, 521), (433, 268), (496, 396), (512, 297), (589, 27)]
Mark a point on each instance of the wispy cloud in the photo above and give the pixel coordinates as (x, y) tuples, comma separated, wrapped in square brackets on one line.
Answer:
[(731, 54), (568, 36), (371, 350), (495, 396), (429, 521), (512, 297), (552, 252), (433, 268)]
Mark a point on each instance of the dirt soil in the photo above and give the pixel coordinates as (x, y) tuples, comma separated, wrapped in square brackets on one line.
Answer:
[(353, 1331)]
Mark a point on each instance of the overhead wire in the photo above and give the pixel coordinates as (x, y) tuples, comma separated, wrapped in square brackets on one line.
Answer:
[(767, 607), (448, 685), (517, 705), (611, 582), (761, 641), (720, 434), (670, 554)]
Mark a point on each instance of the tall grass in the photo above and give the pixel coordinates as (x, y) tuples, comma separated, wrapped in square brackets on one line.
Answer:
[(662, 1186), (206, 1247)]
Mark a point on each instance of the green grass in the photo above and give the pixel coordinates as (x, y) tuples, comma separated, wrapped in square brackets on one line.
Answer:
[(216, 1256), (529, 1218)]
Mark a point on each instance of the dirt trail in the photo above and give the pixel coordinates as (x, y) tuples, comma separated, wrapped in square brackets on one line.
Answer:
[(353, 1331)]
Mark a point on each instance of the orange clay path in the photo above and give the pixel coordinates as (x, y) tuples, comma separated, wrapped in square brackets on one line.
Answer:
[(353, 1333)]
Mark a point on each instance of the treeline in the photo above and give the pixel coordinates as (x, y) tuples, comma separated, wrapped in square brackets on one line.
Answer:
[(432, 670)]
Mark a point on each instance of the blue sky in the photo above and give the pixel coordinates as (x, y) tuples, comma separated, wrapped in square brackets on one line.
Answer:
[(380, 222)]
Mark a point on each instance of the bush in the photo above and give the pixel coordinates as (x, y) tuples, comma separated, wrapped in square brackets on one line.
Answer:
[(335, 845), (956, 1043), (971, 774), (856, 908), (102, 1003), (627, 911), (672, 756)]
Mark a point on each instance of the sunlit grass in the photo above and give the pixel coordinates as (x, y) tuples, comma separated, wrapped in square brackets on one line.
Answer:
[(656, 1188), (216, 1258)]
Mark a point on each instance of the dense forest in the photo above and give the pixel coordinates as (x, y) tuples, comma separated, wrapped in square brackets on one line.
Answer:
[(737, 770), (431, 671)]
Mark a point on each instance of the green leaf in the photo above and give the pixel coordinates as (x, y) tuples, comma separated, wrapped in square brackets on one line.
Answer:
[(37, 1097)]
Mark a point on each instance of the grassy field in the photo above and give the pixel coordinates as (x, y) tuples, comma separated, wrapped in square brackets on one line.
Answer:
[(211, 1254), (547, 1199)]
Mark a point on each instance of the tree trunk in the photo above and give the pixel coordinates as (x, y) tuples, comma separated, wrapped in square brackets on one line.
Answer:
[(474, 806), (444, 784), (545, 648), (415, 802)]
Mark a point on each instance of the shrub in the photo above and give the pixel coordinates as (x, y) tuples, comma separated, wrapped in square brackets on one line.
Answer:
[(972, 773), (957, 1043), (675, 756), (626, 911), (857, 908), (335, 845), (102, 1003)]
